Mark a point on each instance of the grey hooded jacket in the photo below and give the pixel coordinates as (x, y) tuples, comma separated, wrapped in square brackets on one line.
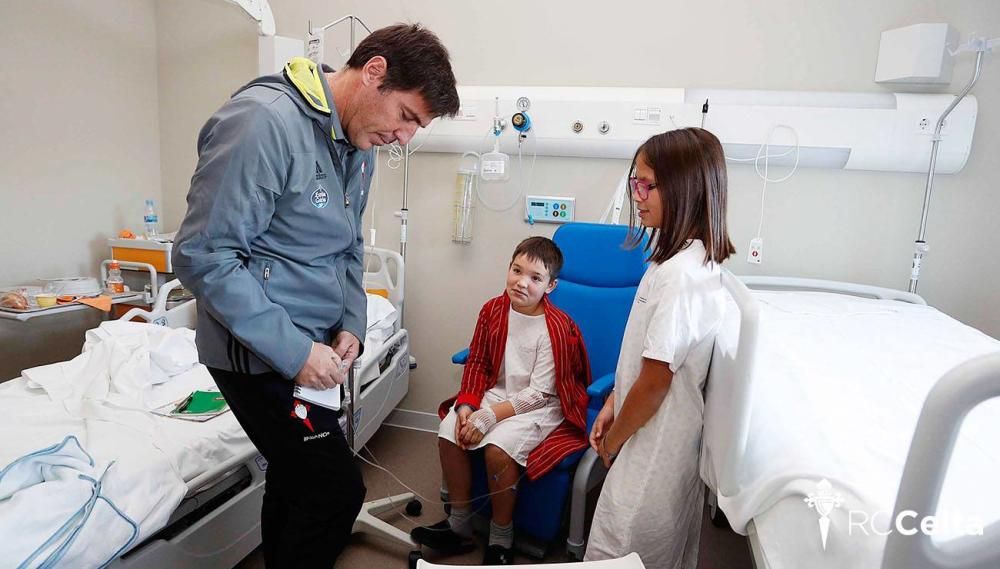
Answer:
[(271, 245)]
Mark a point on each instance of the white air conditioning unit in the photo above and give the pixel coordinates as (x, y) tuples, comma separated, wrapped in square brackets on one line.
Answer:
[(855, 131)]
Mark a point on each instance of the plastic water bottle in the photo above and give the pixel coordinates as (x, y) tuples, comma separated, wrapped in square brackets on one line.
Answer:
[(150, 220), (115, 284)]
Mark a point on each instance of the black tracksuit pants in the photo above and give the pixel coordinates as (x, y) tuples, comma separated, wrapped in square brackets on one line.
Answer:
[(313, 487)]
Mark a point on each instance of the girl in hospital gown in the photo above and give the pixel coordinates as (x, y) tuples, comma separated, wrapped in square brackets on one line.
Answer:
[(650, 428)]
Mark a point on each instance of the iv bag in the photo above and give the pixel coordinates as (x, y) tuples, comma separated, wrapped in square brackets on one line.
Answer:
[(495, 166)]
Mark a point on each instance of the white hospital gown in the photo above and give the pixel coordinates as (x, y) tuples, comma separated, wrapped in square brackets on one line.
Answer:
[(652, 499), (527, 362)]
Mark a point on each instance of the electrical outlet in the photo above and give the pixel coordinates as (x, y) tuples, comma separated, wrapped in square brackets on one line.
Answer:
[(927, 124)]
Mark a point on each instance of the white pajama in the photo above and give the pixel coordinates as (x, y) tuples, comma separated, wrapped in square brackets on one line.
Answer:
[(652, 498), (527, 362)]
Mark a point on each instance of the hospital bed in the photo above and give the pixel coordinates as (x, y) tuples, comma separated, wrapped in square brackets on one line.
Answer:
[(211, 518), (812, 401)]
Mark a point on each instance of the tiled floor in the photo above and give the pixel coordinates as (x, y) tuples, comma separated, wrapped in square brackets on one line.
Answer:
[(412, 456)]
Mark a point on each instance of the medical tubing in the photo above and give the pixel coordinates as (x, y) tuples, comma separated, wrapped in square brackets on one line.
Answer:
[(430, 500), (357, 453), (391, 501)]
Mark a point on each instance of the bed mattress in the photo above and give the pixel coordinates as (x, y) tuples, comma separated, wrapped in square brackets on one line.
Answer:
[(839, 383)]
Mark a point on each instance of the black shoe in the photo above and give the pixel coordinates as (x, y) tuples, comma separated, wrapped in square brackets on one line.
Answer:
[(440, 537), (498, 555)]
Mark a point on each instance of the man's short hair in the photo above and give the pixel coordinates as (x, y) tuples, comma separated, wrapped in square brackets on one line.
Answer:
[(417, 60), (541, 249)]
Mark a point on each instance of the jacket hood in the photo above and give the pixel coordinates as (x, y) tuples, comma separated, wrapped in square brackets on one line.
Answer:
[(303, 81)]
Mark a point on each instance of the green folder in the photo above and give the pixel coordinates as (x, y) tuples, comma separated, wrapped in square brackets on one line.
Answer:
[(202, 402)]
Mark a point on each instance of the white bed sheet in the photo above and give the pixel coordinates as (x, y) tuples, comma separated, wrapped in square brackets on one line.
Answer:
[(103, 398), (838, 387), (154, 457), (383, 322)]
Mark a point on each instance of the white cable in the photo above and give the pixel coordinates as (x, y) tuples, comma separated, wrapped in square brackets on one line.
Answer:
[(396, 153), (395, 156), (766, 146), (764, 153), (763, 192), (756, 158)]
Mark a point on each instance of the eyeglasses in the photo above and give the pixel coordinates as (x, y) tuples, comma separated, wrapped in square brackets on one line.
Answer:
[(640, 188)]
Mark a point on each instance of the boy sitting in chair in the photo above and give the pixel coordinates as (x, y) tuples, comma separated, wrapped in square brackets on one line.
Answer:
[(523, 400)]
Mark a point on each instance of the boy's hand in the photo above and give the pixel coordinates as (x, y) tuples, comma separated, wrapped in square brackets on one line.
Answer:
[(471, 436), (602, 424), (463, 413)]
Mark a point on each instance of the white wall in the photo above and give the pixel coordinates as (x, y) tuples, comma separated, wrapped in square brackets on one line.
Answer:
[(79, 150), (128, 84), (856, 226), (206, 50)]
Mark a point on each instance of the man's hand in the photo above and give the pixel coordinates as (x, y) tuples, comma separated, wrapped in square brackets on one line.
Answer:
[(322, 370), (603, 422), (347, 347), (463, 413)]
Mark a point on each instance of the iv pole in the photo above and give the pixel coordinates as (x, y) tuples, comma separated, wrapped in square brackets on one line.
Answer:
[(980, 46), (367, 522), (403, 213)]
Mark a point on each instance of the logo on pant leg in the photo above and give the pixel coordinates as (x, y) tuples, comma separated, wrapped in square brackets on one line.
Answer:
[(300, 411)]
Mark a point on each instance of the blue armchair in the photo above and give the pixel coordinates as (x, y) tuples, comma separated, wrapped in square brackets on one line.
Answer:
[(596, 288)]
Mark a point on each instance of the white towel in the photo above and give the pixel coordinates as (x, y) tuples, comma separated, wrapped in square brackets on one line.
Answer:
[(54, 510)]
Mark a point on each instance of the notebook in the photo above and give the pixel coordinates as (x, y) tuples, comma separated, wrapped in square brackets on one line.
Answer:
[(329, 398)]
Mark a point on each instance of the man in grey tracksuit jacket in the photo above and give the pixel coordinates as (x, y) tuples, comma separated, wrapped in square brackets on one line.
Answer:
[(272, 242), (272, 248)]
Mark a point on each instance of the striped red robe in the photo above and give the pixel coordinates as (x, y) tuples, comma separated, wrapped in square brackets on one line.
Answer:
[(572, 369)]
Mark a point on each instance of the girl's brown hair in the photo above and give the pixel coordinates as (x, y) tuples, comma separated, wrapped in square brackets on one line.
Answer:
[(690, 170)]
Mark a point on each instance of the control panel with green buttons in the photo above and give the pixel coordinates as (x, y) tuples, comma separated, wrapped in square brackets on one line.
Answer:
[(549, 209)]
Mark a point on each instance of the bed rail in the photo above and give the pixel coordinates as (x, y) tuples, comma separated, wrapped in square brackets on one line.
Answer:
[(792, 283), (947, 404), (384, 273), (183, 316)]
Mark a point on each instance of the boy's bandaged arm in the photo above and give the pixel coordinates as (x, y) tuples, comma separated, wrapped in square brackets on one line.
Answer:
[(528, 399)]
